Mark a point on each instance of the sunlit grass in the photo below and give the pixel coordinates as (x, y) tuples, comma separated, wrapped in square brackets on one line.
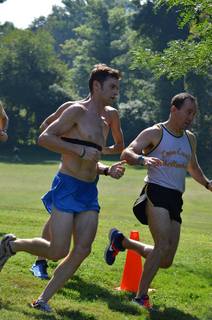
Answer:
[(183, 292)]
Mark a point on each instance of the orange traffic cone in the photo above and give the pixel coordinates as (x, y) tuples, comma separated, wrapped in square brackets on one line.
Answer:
[(133, 268)]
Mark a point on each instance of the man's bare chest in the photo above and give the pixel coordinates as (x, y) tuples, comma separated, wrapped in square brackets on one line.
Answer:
[(88, 129)]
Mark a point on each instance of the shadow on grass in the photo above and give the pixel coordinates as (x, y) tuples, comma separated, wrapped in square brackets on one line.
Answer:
[(64, 314), (75, 314), (4, 305), (170, 314), (93, 292), (41, 315), (11, 308)]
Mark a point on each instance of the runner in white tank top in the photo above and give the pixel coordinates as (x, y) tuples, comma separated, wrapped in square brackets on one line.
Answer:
[(175, 151), (168, 151)]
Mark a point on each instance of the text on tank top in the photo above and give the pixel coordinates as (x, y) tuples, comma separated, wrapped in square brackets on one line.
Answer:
[(175, 152)]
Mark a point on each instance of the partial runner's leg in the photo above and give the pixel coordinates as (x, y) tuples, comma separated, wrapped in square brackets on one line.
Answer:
[(85, 227)]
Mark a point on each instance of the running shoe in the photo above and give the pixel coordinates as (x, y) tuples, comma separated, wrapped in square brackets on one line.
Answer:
[(5, 249), (144, 302), (39, 269), (115, 245), (41, 305)]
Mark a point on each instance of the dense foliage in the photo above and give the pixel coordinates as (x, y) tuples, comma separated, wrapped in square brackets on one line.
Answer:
[(161, 47)]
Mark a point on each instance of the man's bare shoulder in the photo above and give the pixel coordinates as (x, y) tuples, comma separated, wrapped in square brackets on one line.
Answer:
[(1, 110), (76, 107), (65, 105), (192, 139), (73, 112), (112, 114), (191, 134), (110, 109), (149, 138), (154, 130)]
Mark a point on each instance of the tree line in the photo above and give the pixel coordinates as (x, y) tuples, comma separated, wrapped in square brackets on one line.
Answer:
[(161, 47)]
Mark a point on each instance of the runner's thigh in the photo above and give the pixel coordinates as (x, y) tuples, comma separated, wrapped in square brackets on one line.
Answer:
[(61, 225), (85, 227), (159, 222), (174, 237)]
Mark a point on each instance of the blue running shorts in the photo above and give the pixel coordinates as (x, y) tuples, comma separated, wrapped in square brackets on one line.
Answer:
[(68, 194)]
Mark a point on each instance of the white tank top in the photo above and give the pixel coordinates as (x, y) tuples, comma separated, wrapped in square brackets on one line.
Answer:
[(176, 152)]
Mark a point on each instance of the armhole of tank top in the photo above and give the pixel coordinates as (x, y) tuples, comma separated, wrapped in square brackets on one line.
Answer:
[(159, 125), (191, 141)]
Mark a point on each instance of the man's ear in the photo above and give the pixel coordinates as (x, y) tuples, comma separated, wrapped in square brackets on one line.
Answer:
[(173, 109), (96, 86)]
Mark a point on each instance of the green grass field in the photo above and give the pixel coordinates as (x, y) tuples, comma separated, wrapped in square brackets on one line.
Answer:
[(183, 292)]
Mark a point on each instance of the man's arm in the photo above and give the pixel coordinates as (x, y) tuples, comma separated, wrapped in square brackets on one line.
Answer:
[(4, 119), (194, 168), (54, 116), (115, 171), (117, 134), (133, 153)]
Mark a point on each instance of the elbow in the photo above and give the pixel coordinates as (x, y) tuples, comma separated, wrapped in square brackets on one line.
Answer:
[(123, 155), (127, 157), (43, 126), (41, 140)]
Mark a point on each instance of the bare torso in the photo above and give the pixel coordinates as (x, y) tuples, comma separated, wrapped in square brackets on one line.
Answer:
[(89, 127)]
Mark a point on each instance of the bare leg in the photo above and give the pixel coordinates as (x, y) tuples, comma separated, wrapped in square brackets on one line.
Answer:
[(166, 234), (85, 227), (141, 248), (45, 235), (58, 248)]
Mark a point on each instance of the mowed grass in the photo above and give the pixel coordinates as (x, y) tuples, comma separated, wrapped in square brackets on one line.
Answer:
[(183, 292)]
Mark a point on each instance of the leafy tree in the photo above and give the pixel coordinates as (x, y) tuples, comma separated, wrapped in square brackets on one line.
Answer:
[(190, 54), (5, 29), (137, 116), (153, 33), (29, 70), (178, 59), (61, 23), (201, 87)]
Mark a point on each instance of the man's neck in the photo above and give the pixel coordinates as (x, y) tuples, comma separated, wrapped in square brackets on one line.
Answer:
[(173, 128), (96, 106)]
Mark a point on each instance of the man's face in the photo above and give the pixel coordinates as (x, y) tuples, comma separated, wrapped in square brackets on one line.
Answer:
[(110, 90), (185, 115)]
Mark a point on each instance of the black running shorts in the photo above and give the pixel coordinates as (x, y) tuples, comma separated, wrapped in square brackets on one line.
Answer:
[(159, 196)]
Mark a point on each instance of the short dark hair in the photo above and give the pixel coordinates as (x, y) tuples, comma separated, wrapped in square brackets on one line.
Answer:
[(101, 72), (180, 98)]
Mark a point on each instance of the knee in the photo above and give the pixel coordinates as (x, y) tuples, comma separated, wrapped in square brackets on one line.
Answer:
[(163, 249), (167, 256), (166, 263), (57, 253), (82, 252)]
